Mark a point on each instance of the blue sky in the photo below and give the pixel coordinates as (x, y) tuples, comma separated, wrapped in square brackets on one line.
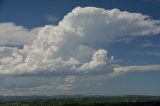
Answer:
[(33, 63), (31, 13)]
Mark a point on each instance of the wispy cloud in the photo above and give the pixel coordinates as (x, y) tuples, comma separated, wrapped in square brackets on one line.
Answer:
[(51, 19)]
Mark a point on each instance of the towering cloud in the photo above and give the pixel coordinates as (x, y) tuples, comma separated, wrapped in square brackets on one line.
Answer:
[(55, 48)]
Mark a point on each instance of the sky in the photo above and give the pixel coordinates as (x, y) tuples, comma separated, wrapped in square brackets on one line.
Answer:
[(79, 47)]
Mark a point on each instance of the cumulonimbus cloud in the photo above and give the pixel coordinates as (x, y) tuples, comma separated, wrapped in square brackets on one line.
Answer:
[(55, 48)]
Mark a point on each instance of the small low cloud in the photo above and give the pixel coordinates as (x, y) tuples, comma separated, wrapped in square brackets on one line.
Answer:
[(68, 84), (138, 68)]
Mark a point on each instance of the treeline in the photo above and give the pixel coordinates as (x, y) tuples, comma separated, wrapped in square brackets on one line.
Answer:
[(90, 101), (155, 103)]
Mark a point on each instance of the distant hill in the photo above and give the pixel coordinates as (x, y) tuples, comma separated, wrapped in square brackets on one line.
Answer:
[(4, 99), (35, 97)]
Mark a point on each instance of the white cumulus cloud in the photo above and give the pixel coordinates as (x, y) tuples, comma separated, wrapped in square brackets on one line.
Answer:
[(19, 35), (99, 58)]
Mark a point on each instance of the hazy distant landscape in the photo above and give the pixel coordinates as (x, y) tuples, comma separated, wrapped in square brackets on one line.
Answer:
[(78, 100)]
